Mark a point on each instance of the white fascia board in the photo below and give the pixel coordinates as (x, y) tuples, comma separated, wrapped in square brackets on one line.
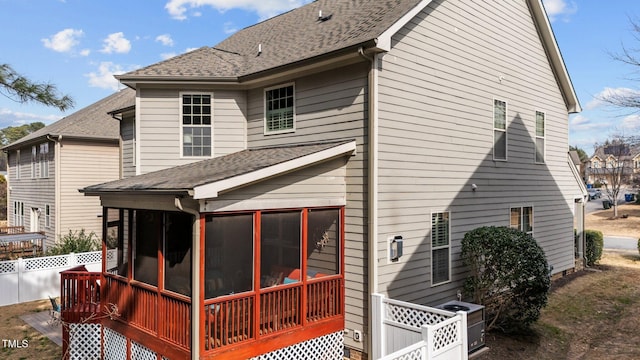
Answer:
[(212, 190), (555, 56), (384, 40)]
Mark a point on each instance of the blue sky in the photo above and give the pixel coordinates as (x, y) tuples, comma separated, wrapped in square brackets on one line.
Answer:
[(79, 45)]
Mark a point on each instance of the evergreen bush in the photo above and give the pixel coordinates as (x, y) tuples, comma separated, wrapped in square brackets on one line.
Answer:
[(509, 276), (75, 242), (594, 242)]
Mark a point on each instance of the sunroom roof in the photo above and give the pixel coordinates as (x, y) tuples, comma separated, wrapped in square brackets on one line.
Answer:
[(205, 179)]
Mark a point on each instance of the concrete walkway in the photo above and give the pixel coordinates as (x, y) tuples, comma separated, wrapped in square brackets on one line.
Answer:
[(40, 322), (620, 243)]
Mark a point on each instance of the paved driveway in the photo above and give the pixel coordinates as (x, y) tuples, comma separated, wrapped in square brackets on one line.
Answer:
[(620, 243)]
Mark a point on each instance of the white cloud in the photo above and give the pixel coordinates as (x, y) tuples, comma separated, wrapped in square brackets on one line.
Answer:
[(13, 118), (63, 41), (560, 8), (229, 28), (165, 39), (611, 93), (631, 122), (117, 43), (165, 56), (103, 78), (85, 52), (580, 123), (264, 8)]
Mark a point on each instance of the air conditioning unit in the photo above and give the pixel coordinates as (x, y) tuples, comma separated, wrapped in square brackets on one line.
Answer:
[(475, 321)]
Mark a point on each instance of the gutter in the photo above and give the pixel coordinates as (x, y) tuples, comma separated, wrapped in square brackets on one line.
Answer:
[(372, 190), (195, 278)]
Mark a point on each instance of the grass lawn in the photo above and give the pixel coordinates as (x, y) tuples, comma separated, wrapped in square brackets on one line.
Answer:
[(13, 328)]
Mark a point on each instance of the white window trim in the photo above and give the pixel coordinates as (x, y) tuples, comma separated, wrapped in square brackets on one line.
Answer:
[(18, 164), (180, 95), (506, 127), (18, 213), (34, 161), (544, 137), (47, 216), (533, 216), (264, 109), (440, 247)]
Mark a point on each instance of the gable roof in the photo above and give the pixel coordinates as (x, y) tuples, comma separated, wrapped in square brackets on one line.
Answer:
[(301, 35), (204, 179), (91, 122)]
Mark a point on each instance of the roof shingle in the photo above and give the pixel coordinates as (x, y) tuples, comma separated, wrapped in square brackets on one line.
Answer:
[(91, 122), (285, 39)]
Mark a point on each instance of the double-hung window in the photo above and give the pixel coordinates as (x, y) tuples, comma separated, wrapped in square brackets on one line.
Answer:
[(279, 109), (44, 160), (440, 248), (47, 216), (196, 125), (18, 213), (540, 136), (499, 130), (522, 219), (34, 162)]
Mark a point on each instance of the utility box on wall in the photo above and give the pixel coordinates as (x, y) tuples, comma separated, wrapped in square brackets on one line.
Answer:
[(395, 248)]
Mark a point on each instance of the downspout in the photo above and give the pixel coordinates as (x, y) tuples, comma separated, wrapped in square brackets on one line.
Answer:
[(195, 279), (57, 179), (372, 190)]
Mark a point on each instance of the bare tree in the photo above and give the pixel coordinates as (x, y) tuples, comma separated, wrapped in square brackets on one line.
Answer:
[(626, 98), (616, 168)]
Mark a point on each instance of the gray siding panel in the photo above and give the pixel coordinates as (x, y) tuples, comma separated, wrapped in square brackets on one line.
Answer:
[(437, 86), (332, 105), (127, 135), (159, 117)]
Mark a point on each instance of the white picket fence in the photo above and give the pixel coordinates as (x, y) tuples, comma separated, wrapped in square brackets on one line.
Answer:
[(403, 330), (24, 280)]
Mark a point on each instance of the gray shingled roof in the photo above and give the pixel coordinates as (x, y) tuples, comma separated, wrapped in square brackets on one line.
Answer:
[(181, 179), (91, 122), (286, 39)]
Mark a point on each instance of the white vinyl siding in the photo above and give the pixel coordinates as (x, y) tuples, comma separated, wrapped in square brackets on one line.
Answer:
[(34, 162), (499, 130), (279, 109), (540, 136), (18, 164), (440, 248)]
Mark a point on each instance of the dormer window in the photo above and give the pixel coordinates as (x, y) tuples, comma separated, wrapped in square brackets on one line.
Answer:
[(279, 109), (196, 125)]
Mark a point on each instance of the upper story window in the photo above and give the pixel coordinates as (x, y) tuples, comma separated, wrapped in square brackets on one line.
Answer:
[(44, 160), (540, 136), (499, 130), (522, 219), (279, 109), (34, 162), (596, 164), (18, 170), (196, 124)]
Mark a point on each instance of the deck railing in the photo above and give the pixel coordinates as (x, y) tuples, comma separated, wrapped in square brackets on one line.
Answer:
[(233, 319), (164, 314), (80, 295)]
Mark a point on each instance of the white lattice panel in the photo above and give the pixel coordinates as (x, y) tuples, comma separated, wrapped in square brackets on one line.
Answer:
[(115, 345), (328, 347), (141, 352), (89, 257), (446, 335), (46, 262), (8, 267), (84, 341), (415, 318)]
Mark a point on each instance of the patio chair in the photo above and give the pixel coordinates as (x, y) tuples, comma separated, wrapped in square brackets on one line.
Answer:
[(56, 317)]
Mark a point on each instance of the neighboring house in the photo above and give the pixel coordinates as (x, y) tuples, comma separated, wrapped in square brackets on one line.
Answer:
[(270, 175), (47, 167), (611, 160)]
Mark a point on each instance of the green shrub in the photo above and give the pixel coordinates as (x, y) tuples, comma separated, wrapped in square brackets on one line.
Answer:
[(594, 242), (638, 245), (75, 242), (509, 276)]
